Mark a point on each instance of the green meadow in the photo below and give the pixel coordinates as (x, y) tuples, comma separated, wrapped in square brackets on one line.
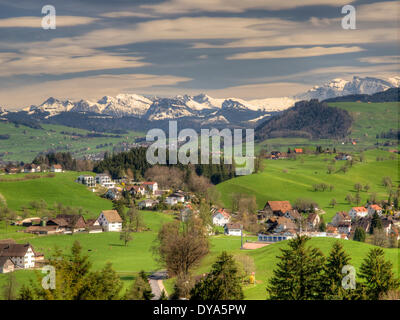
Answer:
[(61, 188), (26, 143), (288, 179)]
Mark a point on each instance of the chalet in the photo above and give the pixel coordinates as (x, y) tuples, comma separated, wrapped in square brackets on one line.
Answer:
[(358, 212), (30, 168), (148, 203), (372, 208), (277, 208), (313, 220), (104, 180), (110, 220), (6, 265), (233, 229), (341, 217), (22, 255), (56, 168), (68, 223), (221, 217), (151, 185), (87, 180), (174, 198)]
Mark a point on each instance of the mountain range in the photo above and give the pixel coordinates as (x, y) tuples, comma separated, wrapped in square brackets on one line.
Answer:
[(196, 111)]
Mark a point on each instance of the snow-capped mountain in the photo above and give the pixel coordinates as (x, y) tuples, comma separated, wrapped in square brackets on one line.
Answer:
[(205, 109), (339, 87)]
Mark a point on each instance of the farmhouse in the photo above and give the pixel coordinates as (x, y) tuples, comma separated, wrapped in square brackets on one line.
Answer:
[(372, 208), (221, 217), (43, 230), (87, 180), (358, 212), (112, 194), (22, 255), (283, 224), (277, 208), (56, 168), (341, 217), (293, 215), (233, 229), (136, 190), (104, 180), (68, 223), (93, 226), (110, 220)]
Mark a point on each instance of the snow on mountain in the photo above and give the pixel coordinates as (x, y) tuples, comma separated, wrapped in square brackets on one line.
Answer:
[(169, 108), (340, 87), (215, 120), (125, 105), (52, 106)]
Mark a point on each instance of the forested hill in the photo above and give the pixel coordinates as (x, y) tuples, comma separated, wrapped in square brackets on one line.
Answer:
[(309, 119), (390, 95)]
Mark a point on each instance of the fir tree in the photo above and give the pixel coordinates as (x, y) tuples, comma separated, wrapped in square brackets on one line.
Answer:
[(359, 235), (377, 274), (298, 275), (140, 289), (222, 283), (376, 223)]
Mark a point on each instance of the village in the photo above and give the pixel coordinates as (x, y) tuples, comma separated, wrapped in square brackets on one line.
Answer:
[(277, 221)]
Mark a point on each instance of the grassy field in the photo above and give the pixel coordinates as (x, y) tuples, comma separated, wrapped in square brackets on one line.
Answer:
[(25, 143), (60, 188), (293, 179)]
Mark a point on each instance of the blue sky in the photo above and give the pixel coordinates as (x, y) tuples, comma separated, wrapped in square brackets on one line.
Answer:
[(226, 48)]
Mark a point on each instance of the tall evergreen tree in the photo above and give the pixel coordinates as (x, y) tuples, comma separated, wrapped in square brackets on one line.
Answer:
[(377, 274), (376, 223), (298, 275), (140, 289), (222, 283), (333, 275), (359, 235)]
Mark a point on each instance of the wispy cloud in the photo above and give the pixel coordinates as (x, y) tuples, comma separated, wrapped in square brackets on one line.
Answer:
[(294, 53), (36, 22)]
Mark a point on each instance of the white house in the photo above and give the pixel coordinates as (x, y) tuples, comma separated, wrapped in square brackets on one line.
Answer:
[(28, 168), (153, 186), (21, 255), (56, 168), (233, 229), (148, 203), (372, 208), (87, 180), (104, 180), (110, 220), (358, 212), (221, 218), (175, 198)]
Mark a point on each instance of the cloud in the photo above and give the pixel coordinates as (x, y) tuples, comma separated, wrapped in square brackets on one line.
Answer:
[(294, 53), (92, 87), (127, 14), (260, 90), (195, 6), (380, 59), (62, 61), (379, 11), (36, 22)]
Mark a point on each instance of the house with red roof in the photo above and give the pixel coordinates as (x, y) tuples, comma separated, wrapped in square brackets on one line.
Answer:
[(358, 212), (221, 217), (372, 208)]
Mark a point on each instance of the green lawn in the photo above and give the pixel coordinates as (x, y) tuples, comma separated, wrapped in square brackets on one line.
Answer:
[(61, 188), (292, 179)]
